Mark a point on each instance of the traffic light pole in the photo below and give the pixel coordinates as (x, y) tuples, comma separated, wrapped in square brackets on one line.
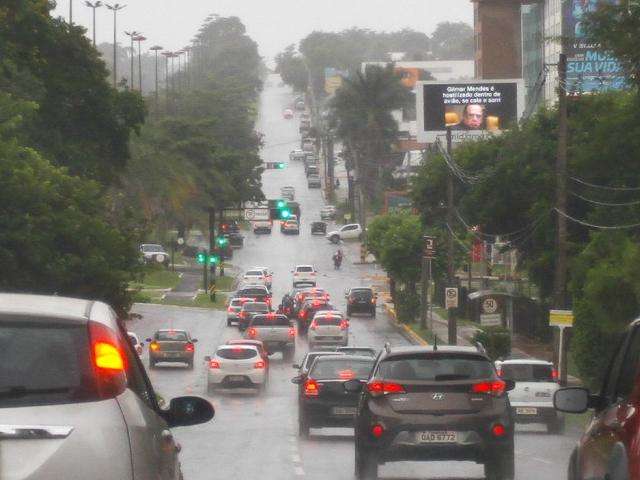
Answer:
[(452, 330), (205, 280), (212, 239)]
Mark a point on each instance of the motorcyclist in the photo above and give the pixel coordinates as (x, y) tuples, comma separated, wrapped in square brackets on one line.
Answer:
[(337, 259)]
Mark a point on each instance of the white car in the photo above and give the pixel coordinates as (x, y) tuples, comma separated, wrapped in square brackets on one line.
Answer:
[(268, 275), (260, 226), (305, 274), (288, 192), (255, 277), (135, 341), (328, 212), (352, 231), (154, 253), (236, 366), (532, 398), (328, 329), (234, 307), (297, 155)]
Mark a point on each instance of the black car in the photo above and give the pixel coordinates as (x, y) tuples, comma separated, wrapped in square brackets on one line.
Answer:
[(323, 400), (361, 300), (250, 310), (318, 228), (236, 239), (434, 404), (308, 310)]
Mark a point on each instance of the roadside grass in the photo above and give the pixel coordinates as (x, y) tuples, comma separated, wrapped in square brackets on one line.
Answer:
[(202, 300), (424, 333), (442, 313), (224, 284), (156, 277)]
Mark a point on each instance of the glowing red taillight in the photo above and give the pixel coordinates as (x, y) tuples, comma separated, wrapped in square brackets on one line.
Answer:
[(108, 356), (313, 326), (311, 388), (252, 333), (498, 430), (494, 388), (108, 359), (344, 325), (377, 430), (230, 309), (302, 315), (214, 364), (292, 332), (555, 375), (189, 347), (378, 388), (259, 364)]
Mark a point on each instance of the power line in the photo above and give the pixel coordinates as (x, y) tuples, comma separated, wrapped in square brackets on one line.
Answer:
[(599, 227), (515, 233), (605, 204), (462, 244), (605, 187)]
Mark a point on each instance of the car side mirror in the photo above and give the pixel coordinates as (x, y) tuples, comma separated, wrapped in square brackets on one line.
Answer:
[(194, 340), (207, 358), (353, 386), (297, 380), (572, 400), (509, 384), (296, 366), (185, 411), (149, 340)]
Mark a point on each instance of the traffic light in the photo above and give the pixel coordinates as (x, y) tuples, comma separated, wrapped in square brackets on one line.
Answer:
[(214, 259), (222, 241), (276, 165), (285, 213), (201, 258)]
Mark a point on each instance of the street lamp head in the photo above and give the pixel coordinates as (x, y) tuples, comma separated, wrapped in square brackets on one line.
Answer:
[(139, 38), (132, 34), (156, 47), (93, 4), (115, 7)]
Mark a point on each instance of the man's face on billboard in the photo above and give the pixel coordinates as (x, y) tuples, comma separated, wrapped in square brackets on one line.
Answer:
[(473, 116)]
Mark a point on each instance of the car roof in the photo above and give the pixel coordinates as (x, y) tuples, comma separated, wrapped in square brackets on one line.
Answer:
[(310, 266), (171, 330), (253, 285), (49, 306), (524, 361), (234, 346), (326, 313), (361, 288), (326, 358), (244, 341), (408, 350)]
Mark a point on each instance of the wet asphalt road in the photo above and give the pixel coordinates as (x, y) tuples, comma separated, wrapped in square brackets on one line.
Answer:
[(255, 436)]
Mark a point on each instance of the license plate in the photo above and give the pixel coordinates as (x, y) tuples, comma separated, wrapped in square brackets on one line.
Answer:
[(172, 354), (438, 437), (235, 378), (343, 410), (526, 411)]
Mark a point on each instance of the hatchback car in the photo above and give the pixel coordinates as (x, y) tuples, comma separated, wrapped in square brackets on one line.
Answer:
[(255, 343), (609, 447), (328, 329), (361, 300), (328, 212), (318, 228), (259, 293), (255, 277), (75, 400), (247, 312), (308, 311), (170, 345), (313, 181), (532, 398), (323, 400), (290, 227), (305, 274), (434, 404), (236, 366), (233, 309)]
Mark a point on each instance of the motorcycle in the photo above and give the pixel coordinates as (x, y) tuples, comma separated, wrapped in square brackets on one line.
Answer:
[(337, 261)]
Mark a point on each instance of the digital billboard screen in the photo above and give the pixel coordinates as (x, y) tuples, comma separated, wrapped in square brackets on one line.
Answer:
[(472, 109)]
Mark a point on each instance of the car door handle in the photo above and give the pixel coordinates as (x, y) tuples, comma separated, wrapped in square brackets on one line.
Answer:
[(26, 432)]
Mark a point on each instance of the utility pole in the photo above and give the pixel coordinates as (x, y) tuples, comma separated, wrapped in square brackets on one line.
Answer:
[(452, 330), (330, 166), (93, 6), (156, 49), (166, 55), (70, 12), (115, 8), (140, 38), (560, 275), (212, 238), (132, 34)]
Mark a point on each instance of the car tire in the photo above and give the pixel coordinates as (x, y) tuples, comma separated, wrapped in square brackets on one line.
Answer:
[(303, 425), (190, 364), (228, 322), (501, 465), (366, 465), (152, 364), (334, 238), (556, 426)]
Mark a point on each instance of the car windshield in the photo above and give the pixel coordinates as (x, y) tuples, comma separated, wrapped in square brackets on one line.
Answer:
[(172, 336), (304, 269), (523, 372), (358, 351), (327, 321), (310, 358), (237, 353), (436, 368), (152, 248), (44, 363), (270, 320), (253, 291), (341, 369), (254, 273)]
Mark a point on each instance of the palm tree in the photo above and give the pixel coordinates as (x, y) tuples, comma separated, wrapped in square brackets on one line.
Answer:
[(361, 113)]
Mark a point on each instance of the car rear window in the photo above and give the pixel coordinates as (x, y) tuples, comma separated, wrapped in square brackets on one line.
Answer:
[(304, 269), (328, 321), (266, 320), (341, 369), (255, 307), (237, 353), (519, 372), (362, 293), (171, 336), (358, 351), (253, 291), (236, 302), (436, 368), (44, 364), (254, 273)]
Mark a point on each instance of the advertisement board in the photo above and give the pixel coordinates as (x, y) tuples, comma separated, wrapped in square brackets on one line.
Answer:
[(589, 68), (473, 109), (333, 80)]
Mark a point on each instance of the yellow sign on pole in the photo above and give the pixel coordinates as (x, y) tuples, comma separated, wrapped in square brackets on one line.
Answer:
[(561, 318)]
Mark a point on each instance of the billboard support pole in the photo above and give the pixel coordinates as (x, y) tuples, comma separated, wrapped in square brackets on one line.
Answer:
[(452, 329)]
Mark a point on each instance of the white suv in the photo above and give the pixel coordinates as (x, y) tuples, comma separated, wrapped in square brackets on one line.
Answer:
[(532, 398), (305, 274), (351, 231)]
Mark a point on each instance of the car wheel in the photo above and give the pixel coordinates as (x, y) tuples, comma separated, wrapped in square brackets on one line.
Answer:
[(303, 425), (228, 322), (556, 426), (500, 466), (152, 364), (366, 465), (190, 364), (334, 238)]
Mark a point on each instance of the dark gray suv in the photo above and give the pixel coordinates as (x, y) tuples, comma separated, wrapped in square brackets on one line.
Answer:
[(433, 404)]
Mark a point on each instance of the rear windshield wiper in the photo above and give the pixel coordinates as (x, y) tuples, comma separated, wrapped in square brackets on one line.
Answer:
[(22, 391)]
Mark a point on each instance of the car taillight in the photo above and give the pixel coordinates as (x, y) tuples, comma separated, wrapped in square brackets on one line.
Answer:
[(230, 309), (108, 360), (302, 314), (495, 388), (313, 326), (344, 325), (214, 364), (374, 300), (313, 274), (154, 347), (351, 300), (252, 333), (287, 310), (498, 430), (378, 388), (377, 430), (554, 375), (292, 332), (189, 347), (259, 364), (311, 388)]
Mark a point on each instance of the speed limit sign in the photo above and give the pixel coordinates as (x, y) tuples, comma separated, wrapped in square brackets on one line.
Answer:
[(451, 297), (489, 305)]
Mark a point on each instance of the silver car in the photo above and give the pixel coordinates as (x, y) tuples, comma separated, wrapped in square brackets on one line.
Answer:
[(328, 328), (75, 401)]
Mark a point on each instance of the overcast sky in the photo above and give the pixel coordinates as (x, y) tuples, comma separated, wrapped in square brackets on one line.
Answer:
[(273, 24)]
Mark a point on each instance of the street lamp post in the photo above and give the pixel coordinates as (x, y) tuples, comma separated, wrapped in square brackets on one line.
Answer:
[(167, 56), (115, 8), (187, 64), (132, 34), (139, 39), (70, 12), (180, 79), (93, 5), (156, 49)]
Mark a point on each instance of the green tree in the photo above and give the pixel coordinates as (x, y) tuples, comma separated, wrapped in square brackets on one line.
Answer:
[(453, 41), (292, 69)]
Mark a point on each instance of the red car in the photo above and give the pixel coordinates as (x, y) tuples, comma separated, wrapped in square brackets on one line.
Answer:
[(288, 114), (609, 447)]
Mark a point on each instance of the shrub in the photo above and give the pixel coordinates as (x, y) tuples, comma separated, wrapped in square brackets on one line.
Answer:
[(496, 340)]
